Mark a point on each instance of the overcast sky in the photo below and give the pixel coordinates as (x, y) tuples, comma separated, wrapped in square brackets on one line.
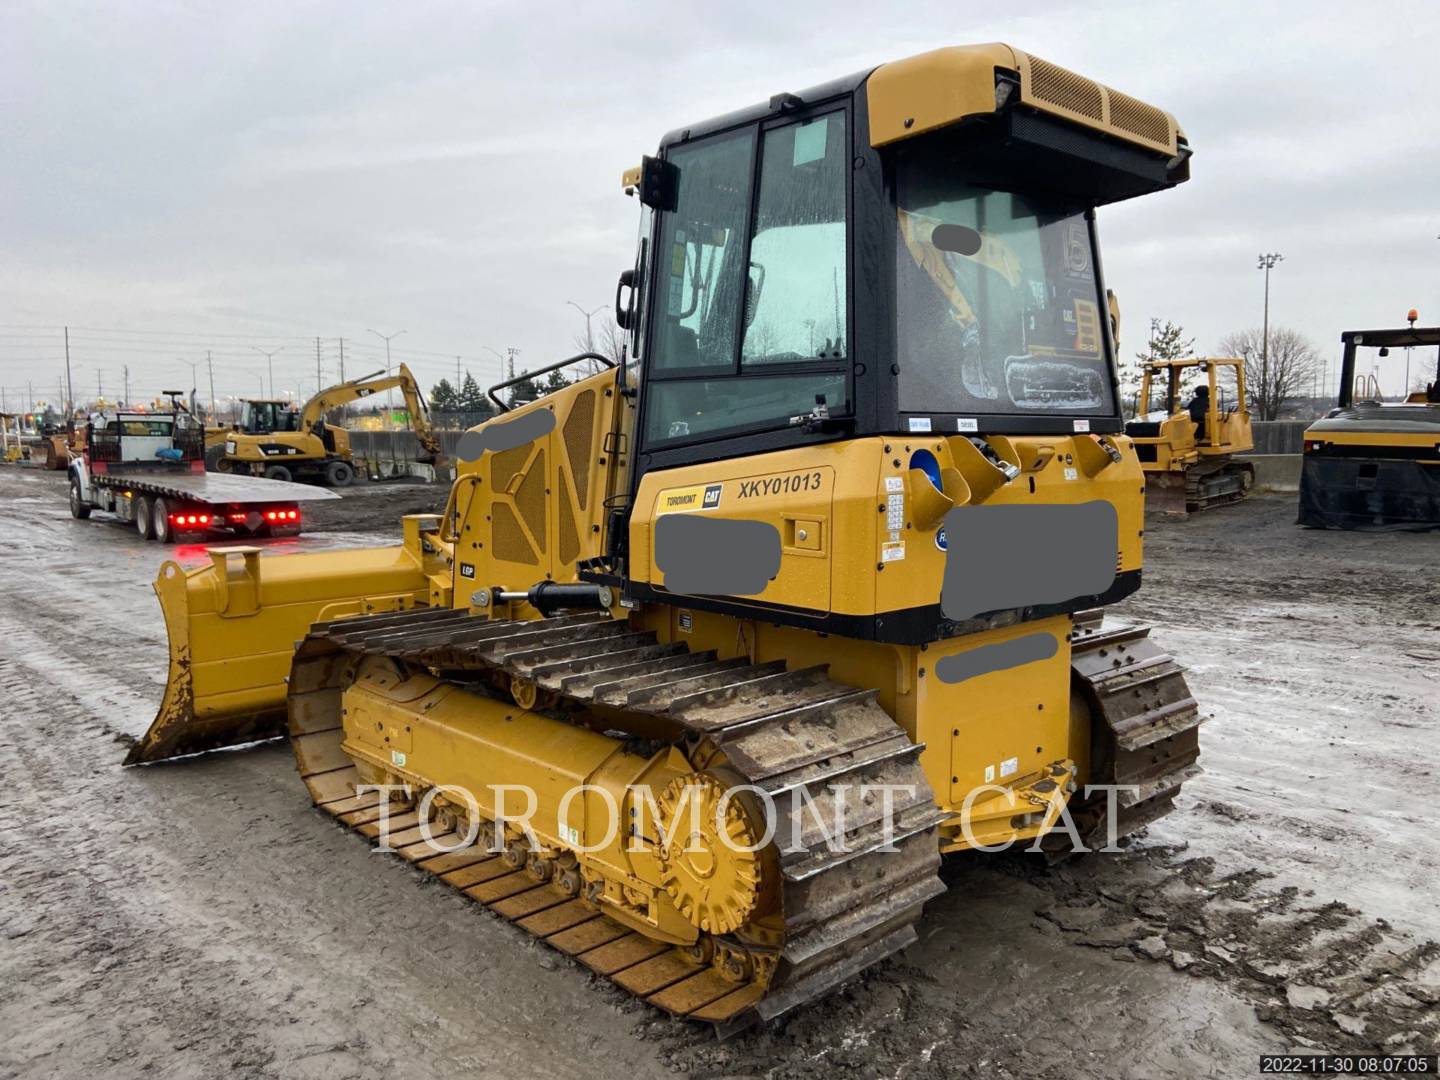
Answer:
[(183, 177)]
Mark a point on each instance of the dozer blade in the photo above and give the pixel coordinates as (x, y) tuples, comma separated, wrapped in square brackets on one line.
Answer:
[(1165, 494), (233, 626)]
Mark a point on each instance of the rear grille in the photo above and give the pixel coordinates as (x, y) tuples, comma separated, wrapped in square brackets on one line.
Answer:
[(1055, 85), (1141, 120), (1050, 86)]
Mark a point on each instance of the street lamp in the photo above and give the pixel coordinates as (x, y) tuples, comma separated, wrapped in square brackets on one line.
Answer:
[(389, 398), (1267, 263), (270, 364), (507, 359), (589, 337), (193, 365)]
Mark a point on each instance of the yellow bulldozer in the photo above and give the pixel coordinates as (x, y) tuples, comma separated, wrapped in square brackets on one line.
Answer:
[(714, 653), (1188, 449), (274, 439)]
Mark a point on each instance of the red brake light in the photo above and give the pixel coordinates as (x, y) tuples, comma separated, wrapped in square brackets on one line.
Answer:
[(269, 515), (294, 514), (204, 519)]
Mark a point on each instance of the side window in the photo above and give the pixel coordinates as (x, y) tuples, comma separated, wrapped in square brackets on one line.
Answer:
[(795, 292), (701, 248)]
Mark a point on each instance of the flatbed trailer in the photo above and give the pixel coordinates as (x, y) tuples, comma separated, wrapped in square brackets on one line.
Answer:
[(143, 471)]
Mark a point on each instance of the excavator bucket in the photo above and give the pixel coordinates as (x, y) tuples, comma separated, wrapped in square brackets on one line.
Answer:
[(233, 625)]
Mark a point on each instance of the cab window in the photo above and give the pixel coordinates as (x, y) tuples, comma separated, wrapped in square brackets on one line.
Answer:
[(795, 303), (751, 349), (701, 249)]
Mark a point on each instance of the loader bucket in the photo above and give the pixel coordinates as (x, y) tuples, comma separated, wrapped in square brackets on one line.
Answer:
[(233, 626)]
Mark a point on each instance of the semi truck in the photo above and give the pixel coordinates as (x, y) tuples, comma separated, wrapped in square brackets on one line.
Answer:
[(149, 469)]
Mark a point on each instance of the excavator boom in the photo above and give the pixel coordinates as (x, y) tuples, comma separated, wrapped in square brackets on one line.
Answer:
[(335, 397)]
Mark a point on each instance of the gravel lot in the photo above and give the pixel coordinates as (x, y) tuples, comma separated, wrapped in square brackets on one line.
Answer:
[(200, 918)]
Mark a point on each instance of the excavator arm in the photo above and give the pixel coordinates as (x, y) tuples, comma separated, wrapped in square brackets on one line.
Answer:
[(334, 397)]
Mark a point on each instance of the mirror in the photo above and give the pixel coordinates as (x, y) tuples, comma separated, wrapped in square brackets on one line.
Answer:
[(659, 184)]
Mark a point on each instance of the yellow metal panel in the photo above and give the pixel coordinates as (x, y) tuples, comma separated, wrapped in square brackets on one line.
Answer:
[(543, 507), (1378, 439), (921, 93), (1001, 726), (876, 555), (935, 89)]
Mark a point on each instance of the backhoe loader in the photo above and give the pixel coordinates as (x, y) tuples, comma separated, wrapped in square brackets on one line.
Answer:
[(275, 440), (759, 622), (1188, 450)]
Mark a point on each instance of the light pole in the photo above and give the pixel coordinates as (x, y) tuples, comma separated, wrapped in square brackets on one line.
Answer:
[(270, 364), (589, 337), (389, 400), (1267, 263), (193, 365)]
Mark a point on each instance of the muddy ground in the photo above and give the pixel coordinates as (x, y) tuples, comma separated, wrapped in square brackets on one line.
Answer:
[(202, 919)]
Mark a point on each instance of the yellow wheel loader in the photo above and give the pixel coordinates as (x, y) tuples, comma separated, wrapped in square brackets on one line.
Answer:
[(1188, 449), (711, 655), (276, 440)]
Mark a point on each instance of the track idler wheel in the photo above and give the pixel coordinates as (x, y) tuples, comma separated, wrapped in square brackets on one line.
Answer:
[(712, 871)]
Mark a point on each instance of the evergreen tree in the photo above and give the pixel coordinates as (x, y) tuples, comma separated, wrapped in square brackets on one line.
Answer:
[(470, 396), (525, 390), (1167, 342), (443, 396), (555, 381)]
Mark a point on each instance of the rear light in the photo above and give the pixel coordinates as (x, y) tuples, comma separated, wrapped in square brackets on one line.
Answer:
[(237, 517), (294, 515), (1311, 444), (269, 515)]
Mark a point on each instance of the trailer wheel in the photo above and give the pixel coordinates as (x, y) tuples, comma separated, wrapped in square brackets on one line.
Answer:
[(78, 507), (277, 472), (160, 521), (339, 474), (144, 510)]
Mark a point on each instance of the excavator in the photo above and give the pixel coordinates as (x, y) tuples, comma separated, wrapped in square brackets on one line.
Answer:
[(1188, 452), (712, 654), (275, 440)]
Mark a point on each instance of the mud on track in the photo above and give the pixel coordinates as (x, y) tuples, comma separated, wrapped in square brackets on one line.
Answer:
[(201, 918)]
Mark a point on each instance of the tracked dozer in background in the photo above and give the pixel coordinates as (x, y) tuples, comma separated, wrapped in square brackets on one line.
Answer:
[(275, 440), (840, 525), (1190, 464)]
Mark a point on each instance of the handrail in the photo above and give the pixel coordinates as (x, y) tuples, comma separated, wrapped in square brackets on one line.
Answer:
[(504, 407), (1367, 388)]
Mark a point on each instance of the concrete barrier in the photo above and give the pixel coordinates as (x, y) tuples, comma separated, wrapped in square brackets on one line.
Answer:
[(1279, 436), (1274, 472)]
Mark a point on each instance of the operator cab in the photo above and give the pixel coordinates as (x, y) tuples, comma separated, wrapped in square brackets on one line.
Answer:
[(267, 417), (859, 259)]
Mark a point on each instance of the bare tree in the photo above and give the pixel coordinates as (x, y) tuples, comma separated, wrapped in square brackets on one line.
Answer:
[(605, 338), (1289, 368)]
